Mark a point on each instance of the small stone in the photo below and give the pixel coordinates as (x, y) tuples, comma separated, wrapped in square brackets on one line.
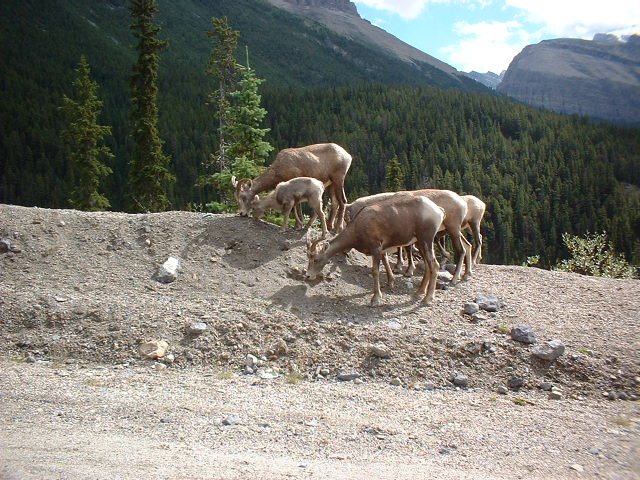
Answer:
[(461, 380), (577, 468), (546, 386), (168, 272), (396, 382), (555, 394), (153, 349), (5, 245), (623, 396), (347, 376), (159, 366), (470, 308), (198, 328), (490, 303), (523, 334), (169, 359), (549, 351), (515, 382), (502, 390), (479, 317), (379, 350), (612, 395), (231, 420), (251, 361), (325, 372)]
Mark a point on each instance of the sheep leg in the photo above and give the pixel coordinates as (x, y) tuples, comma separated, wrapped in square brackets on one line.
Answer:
[(428, 285), (477, 238), (400, 262), (461, 254), (333, 212), (411, 266), (286, 211), (376, 300), (440, 241), (342, 203), (468, 262), (320, 214), (298, 214), (390, 277)]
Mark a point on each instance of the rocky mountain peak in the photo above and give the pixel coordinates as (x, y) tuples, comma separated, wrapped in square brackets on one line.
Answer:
[(344, 6)]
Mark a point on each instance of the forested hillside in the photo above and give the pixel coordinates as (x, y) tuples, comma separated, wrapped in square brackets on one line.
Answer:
[(541, 174)]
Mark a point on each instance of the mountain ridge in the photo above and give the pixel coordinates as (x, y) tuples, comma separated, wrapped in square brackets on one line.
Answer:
[(599, 78)]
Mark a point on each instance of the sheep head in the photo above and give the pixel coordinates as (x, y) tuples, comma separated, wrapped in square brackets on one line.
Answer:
[(243, 194), (316, 249)]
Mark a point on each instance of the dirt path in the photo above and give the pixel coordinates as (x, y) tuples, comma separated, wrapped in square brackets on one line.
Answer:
[(76, 423)]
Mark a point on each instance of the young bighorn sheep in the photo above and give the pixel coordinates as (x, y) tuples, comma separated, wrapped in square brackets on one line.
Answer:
[(288, 195), (327, 162), (455, 209), (398, 221), (475, 212)]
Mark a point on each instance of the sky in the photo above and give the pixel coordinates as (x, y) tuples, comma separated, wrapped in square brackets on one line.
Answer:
[(485, 35)]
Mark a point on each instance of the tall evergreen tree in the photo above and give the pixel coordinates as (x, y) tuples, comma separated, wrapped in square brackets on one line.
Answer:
[(83, 136), (223, 67), (247, 145), (149, 175), (394, 176)]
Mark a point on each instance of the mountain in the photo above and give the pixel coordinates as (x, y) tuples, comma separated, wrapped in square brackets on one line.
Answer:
[(341, 16), (488, 79), (599, 78)]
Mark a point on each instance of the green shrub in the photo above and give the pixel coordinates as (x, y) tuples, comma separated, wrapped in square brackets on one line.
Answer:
[(594, 255)]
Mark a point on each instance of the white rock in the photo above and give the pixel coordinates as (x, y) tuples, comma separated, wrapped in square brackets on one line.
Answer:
[(168, 272)]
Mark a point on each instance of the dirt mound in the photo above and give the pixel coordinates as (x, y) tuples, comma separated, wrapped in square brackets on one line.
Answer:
[(82, 286)]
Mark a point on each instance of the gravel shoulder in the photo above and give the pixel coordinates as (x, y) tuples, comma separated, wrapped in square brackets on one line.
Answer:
[(79, 294)]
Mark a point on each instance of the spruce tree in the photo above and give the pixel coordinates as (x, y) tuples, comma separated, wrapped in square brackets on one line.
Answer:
[(247, 146), (149, 175), (394, 176), (223, 67), (83, 136)]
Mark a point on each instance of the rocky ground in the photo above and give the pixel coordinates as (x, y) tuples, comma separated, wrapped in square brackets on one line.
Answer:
[(271, 376)]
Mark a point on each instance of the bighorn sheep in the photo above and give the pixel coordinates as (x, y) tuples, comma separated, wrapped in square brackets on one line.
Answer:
[(327, 162), (287, 195), (475, 212), (397, 221), (455, 209)]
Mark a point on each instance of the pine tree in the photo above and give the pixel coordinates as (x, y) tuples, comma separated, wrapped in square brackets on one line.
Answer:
[(224, 68), (149, 176), (247, 145), (83, 136), (394, 176)]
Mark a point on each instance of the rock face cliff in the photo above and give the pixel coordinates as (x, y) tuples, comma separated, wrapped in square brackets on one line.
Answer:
[(599, 78)]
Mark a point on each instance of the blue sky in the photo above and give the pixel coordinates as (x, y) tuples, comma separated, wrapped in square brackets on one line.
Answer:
[(484, 35)]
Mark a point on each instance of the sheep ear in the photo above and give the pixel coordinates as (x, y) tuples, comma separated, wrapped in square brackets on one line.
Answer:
[(310, 239), (234, 182), (256, 199)]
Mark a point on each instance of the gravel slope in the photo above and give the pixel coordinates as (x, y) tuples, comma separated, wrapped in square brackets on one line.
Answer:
[(78, 294)]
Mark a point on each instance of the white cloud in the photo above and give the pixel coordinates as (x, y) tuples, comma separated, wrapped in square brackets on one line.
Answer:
[(410, 9), (486, 46), (578, 18), (405, 8)]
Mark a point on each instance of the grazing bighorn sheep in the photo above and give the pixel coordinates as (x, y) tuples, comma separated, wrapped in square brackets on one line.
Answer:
[(288, 195), (327, 162), (400, 220), (455, 209), (475, 212)]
